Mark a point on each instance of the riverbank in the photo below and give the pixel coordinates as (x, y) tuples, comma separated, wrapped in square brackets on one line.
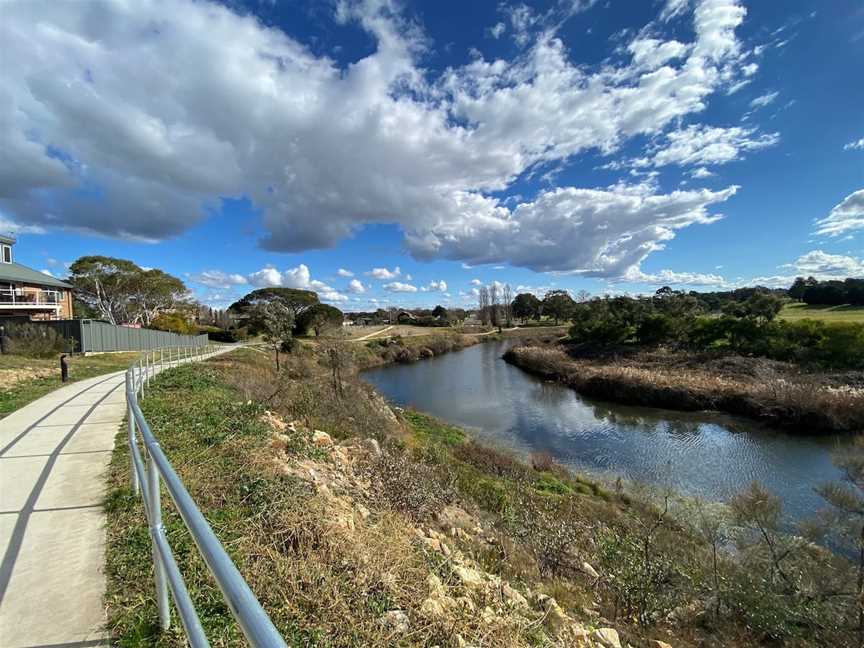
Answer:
[(359, 525), (774, 393), (398, 349)]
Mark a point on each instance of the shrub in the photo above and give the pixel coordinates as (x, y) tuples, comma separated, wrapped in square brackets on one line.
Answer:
[(36, 341)]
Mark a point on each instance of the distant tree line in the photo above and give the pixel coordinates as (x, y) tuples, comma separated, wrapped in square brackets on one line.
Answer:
[(745, 326), (828, 293)]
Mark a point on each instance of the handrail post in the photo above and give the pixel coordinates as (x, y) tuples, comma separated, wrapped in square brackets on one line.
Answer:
[(162, 359), (134, 473), (155, 528)]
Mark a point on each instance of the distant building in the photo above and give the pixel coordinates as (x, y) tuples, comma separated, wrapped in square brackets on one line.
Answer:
[(404, 317), (28, 292)]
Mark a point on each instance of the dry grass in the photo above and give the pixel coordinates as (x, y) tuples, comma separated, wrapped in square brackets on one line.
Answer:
[(803, 402)]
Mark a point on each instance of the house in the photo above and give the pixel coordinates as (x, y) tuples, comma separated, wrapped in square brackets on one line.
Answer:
[(404, 317), (27, 292)]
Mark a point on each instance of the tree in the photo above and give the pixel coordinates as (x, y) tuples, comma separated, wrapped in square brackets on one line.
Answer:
[(847, 517), (174, 322), (507, 302), (558, 304), (277, 322), (526, 306), (483, 304), (439, 312), (291, 298), (494, 314), (319, 318), (796, 291), (121, 292)]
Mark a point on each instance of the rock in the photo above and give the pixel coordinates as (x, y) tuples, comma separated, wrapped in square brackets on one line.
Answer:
[(606, 637), (513, 596), (656, 643), (340, 454), (590, 571), (321, 439), (372, 446), (556, 618), (433, 607), (470, 578), (395, 621), (362, 511), (451, 517), (274, 421)]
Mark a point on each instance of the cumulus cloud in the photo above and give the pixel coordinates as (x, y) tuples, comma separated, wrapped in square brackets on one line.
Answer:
[(342, 272), (356, 286), (669, 277), (299, 277), (218, 279), (848, 216), (705, 145), (322, 150), (701, 173), (383, 274), (476, 282), (497, 29), (822, 265), (435, 286), (857, 145), (398, 286)]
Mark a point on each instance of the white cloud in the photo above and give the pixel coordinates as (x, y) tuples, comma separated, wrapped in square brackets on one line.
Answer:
[(299, 277), (381, 140), (45, 271), (701, 173), (383, 274), (398, 286), (674, 8), (476, 282), (437, 286), (342, 272), (497, 30), (705, 145), (218, 279), (764, 100), (857, 145), (615, 227), (669, 277), (848, 216), (822, 265), (356, 286)]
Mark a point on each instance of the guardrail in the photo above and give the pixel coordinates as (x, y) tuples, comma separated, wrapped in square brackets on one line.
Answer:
[(253, 620)]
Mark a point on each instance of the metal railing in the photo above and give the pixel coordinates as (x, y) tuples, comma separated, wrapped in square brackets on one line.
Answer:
[(245, 608), (30, 298)]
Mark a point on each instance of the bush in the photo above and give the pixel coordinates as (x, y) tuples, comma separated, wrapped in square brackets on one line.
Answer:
[(36, 341)]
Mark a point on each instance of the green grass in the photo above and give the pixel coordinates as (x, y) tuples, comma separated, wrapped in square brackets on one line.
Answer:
[(20, 392), (795, 312)]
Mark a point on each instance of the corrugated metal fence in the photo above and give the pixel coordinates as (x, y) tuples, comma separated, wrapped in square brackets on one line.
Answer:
[(92, 336)]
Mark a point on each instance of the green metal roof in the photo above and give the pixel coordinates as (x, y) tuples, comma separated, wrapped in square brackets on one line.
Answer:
[(18, 272)]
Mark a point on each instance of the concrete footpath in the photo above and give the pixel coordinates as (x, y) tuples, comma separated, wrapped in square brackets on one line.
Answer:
[(54, 454)]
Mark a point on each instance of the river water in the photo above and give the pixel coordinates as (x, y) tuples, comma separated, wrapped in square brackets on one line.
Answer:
[(697, 454)]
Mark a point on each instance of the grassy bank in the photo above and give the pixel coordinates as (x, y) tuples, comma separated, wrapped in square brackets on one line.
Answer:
[(768, 391), (394, 528), (795, 312), (23, 379)]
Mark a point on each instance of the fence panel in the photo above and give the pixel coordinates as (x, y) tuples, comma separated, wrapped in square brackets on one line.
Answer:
[(94, 336)]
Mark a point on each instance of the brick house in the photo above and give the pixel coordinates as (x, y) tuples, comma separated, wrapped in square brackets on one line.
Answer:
[(27, 292)]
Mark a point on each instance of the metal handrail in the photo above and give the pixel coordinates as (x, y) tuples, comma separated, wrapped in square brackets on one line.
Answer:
[(253, 620)]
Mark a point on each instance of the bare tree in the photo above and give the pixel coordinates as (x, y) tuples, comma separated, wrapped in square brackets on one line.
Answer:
[(483, 303), (278, 322), (583, 296), (507, 298), (495, 316)]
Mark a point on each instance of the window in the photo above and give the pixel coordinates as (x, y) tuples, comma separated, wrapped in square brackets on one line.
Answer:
[(7, 254)]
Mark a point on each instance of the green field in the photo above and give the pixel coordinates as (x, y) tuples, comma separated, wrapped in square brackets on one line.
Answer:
[(795, 312)]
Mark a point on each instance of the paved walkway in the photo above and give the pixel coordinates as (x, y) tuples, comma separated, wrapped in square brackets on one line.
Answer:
[(53, 456)]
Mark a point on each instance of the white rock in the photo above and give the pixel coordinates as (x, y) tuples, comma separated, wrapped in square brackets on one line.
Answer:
[(588, 569), (396, 621), (321, 439), (607, 637)]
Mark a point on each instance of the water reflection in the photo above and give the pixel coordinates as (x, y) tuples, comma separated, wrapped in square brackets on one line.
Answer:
[(701, 454)]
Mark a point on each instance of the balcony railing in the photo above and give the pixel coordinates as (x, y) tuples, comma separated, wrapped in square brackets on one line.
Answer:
[(24, 298)]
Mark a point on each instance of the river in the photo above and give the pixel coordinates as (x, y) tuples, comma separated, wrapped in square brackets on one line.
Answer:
[(698, 454)]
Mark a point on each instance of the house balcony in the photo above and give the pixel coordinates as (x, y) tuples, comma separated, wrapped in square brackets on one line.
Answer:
[(20, 300)]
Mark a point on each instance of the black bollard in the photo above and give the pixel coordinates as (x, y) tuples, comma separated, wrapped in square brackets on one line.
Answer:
[(64, 368)]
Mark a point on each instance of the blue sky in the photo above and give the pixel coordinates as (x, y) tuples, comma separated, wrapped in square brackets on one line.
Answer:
[(401, 152)]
